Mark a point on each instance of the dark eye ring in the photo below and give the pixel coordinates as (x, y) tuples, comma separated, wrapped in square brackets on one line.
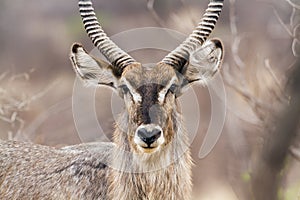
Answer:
[(173, 88), (124, 89)]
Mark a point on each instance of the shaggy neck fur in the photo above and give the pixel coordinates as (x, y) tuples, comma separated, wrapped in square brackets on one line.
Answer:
[(165, 174)]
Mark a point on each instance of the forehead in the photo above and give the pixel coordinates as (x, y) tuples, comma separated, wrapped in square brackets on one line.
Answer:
[(139, 75)]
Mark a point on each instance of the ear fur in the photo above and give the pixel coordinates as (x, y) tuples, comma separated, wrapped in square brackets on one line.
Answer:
[(92, 71), (204, 62)]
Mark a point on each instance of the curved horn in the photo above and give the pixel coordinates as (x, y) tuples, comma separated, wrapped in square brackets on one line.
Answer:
[(180, 55), (116, 56)]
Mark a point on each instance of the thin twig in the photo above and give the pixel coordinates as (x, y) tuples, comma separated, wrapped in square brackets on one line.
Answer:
[(11, 104), (294, 5), (253, 102), (23, 75), (235, 51), (296, 42), (232, 16), (294, 46), (281, 22), (295, 153), (157, 18), (236, 39), (277, 82), (292, 17)]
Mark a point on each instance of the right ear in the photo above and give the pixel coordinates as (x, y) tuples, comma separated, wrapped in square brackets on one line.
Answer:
[(92, 71)]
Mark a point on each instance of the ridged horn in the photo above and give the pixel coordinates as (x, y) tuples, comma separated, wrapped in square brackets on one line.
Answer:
[(116, 56), (178, 57)]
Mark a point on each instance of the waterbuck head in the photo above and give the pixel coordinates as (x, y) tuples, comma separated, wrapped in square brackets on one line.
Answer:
[(149, 93)]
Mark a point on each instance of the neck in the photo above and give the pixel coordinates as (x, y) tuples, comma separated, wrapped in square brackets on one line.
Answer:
[(168, 167)]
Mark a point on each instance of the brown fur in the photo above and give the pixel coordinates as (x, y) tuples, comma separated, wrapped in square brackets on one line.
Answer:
[(103, 170), (30, 171), (97, 170), (122, 170)]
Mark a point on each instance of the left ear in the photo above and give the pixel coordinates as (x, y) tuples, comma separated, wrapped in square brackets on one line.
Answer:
[(204, 62)]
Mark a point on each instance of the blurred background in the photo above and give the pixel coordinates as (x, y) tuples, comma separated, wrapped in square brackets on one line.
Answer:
[(261, 39)]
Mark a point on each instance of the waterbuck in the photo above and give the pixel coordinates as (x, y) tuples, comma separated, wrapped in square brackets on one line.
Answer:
[(149, 158)]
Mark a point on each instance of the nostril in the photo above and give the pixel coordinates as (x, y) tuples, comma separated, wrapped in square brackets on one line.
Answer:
[(155, 134), (149, 137), (142, 133)]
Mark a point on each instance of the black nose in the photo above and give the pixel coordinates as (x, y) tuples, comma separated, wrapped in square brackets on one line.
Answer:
[(149, 136)]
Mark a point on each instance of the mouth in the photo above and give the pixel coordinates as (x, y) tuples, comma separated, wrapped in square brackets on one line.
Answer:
[(148, 149)]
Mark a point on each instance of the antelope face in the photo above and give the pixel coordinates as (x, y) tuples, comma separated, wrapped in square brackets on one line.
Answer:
[(149, 93)]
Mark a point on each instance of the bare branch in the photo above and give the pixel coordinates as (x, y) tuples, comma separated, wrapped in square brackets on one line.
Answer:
[(295, 153), (236, 39), (268, 67), (281, 22), (296, 42), (292, 17), (12, 104), (287, 29), (235, 51), (294, 5), (281, 95), (266, 175), (17, 76), (157, 18), (277, 127), (232, 16), (294, 46), (259, 107)]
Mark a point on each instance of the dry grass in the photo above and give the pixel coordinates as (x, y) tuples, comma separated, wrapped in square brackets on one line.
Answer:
[(13, 102)]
